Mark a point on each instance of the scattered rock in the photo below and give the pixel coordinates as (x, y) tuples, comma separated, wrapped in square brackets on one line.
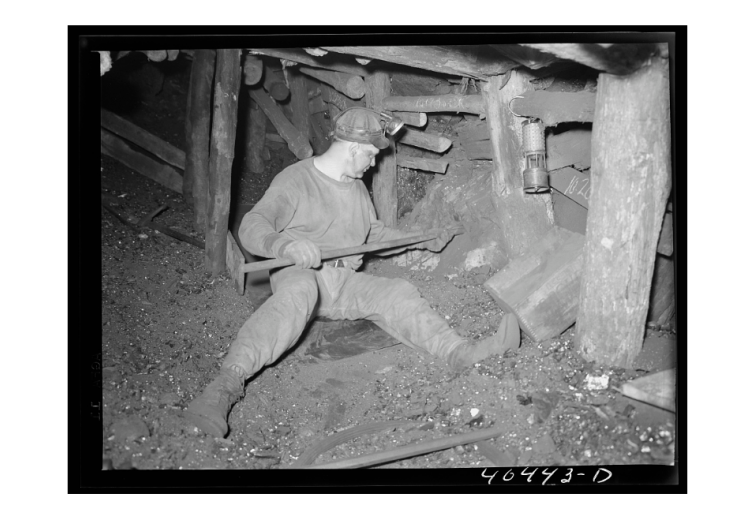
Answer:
[(129, 429), (170, 398)]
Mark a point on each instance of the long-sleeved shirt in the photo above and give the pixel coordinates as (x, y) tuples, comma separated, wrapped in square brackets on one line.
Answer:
[(304, 203)]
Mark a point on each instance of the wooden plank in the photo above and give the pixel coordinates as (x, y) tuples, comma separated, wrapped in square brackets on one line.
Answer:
[(556, 107), (623, 58), (573, 184), (223, 132), (415, 119), (298, 143), (541, 287), (384, 186), (571, 148), (631, 163), (416, 163), (473, 61), (332, 61), (657, 389), (348, 84), (198, 135), (448, 103), (569, 214), (432, 142), (146, 140), (118, 149)]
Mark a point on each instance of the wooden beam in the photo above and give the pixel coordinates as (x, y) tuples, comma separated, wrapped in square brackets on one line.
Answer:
[(275, 84), (118, 149), (416, 163), (298, 143), (661, 309), (528, 57), (555, 107), (252, 70), (384, 186), (523, 219), (348, 84), (618, 59), (146, 140), (473, 61), (432, 142), (198, 135), (331, 61), (415, 119), (223, 132), (448, 103), (630, 185)]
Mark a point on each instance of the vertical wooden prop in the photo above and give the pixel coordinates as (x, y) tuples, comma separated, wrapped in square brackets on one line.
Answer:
[(223, 134), (198, 136), (256, 139), (385, 197), (630, 181), (299, 102), (524, 218)]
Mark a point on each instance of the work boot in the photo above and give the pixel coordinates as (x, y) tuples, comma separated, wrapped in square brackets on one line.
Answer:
[(508, 336), (209, 411)]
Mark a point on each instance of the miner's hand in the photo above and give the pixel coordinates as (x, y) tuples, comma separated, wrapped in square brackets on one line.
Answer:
[(303, 253)]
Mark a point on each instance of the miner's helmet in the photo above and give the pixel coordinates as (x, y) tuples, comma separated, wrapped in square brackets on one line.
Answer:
[(364, 125)]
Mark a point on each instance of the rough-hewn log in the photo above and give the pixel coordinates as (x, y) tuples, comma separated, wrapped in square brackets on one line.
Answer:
[(571, 148), (384, 191), (298, 143), (275, 84), (348, 84), (146, 140), (334, 97), (432, 142), (118, 149), (630, 171), (526, 56), (331, 61), (621, 58), (299, 102), (472, 61), (448, 103), (416, 163), (223, 132), (556, 107), (256, 139), (252, 70), (415, 119), (198, 136), (524, 219)]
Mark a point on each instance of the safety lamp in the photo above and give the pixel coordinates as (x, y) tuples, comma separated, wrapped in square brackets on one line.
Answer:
[(535, 175), (392, 124)]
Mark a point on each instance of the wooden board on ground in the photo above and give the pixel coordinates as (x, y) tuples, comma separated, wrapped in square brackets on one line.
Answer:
[(541, 286), (657, 389)]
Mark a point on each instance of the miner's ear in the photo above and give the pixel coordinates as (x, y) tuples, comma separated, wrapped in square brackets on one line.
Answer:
[(353, 147)]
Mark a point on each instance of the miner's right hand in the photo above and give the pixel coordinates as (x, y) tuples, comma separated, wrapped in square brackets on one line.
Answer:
[(303, 253)]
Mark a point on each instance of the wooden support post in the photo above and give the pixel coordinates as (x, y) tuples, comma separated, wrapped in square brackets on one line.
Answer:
[(298, 143), (198, 136), (524, 219), (447, 103), (252, 70), (432, 142), (299, 102), (256, 139), (347, 84), (384, 192), (223, 132), (630, 174)]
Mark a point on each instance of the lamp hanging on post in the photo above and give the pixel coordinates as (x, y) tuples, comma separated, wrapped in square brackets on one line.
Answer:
[(535, 174)]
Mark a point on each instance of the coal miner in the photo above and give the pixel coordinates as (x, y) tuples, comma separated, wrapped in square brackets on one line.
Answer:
[(315, 205)]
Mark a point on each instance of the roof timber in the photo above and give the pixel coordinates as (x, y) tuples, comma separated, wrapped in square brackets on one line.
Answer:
[(472, 61), (616, 59)]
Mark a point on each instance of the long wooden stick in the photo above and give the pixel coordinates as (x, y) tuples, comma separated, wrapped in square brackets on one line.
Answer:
[(412, 450)]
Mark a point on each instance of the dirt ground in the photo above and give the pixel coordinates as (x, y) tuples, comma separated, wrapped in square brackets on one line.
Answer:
[(166, 325)]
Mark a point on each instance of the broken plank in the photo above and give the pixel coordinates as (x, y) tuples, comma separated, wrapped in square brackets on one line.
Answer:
[(474, 61), (541, 286), (415, 119), (571, 148), (435, 143), (332, 61), (298, 143), (348, 84), (556, 107), (146, 140), (417, 163), (448, 103), (118, 149)]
